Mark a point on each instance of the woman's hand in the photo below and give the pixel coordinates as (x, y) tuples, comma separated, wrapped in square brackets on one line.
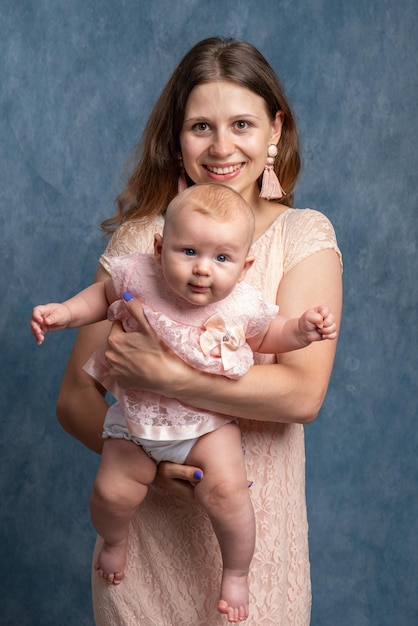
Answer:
[(138, 360), (178, 480)]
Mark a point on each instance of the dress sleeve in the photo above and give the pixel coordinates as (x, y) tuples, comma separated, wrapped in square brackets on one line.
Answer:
[(132, 236), (307, 232), (264, 314)]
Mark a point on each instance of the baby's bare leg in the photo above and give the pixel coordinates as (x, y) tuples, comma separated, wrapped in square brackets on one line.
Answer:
[(121, 484), (224, 493)]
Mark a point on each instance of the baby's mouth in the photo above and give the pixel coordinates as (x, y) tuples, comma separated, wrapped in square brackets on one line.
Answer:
[(199, 288)]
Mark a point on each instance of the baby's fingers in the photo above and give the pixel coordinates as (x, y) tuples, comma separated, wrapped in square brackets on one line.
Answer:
[(38, 314), (329, 329), (329, 319), (323, 310), (40, 322), (37, 332)]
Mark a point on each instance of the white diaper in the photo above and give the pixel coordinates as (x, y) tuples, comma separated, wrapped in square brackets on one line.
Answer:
[(175, 451)]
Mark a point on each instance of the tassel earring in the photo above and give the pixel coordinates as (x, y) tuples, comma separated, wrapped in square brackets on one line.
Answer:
[(182, 182), (270, 186)]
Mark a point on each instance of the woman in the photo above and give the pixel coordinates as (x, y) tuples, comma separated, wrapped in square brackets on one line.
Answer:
[(216, 121)]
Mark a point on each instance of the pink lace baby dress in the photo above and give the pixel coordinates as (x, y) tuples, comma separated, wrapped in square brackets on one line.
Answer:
[(174, 565), (210, 337)]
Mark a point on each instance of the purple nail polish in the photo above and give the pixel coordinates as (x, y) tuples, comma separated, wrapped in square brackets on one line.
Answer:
[(127, 296), (250, 484), (197, 475)]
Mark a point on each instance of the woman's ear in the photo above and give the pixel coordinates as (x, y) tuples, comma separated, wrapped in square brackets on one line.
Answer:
[(158, 247), (276, 127)]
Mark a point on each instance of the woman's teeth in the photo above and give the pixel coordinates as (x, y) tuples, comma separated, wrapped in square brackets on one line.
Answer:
[(223, 170)]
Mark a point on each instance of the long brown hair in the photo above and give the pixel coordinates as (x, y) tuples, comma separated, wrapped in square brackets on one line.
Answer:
[(153, 180)]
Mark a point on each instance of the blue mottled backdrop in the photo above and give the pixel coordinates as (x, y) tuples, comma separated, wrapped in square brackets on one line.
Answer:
[(77, 80)]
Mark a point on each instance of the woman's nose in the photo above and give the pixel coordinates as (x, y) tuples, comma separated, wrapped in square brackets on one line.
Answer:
[(222, 144)]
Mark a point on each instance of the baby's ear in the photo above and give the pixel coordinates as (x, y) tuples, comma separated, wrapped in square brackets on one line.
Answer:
[(158, 246), (249, 261)]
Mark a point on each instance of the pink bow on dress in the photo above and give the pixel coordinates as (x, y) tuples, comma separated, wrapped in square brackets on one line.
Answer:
[(228, 340)]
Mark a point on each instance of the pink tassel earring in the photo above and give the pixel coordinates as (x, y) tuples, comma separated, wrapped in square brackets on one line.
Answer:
[(270, 186), (182, 182)]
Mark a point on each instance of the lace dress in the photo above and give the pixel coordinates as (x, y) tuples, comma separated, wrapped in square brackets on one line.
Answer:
[(173, 572)]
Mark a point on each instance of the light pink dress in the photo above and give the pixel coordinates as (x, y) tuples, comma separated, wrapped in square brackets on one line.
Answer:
[(174, 567), (211, 338)]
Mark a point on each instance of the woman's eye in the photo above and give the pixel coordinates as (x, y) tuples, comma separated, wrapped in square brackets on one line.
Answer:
[(221, 258), (241, 125), (189, 251), (201, 126)]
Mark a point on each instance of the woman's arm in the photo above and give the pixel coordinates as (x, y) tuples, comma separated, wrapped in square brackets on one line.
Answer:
[(81, 407), (290, 391)]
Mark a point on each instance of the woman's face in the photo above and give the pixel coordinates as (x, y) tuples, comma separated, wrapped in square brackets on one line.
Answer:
[(225, 135)]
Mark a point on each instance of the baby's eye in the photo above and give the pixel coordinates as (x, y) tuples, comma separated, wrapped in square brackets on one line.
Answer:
[(221, 258), (189, 251)]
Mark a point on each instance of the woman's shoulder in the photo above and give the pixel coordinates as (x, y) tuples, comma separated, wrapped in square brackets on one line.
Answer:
[(132, 236), (307, 218), (304, 232)]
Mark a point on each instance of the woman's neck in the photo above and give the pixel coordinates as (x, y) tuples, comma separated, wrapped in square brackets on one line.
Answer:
[(266, 212)]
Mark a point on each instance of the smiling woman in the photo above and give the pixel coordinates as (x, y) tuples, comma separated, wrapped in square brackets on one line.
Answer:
[(226, 128), (216, 120)]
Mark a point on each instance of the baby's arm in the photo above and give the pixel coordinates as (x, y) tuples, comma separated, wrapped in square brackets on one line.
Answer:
[(285, 335), (86, 307)]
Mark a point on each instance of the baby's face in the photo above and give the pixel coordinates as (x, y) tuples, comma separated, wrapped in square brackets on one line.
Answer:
[(203, 258)]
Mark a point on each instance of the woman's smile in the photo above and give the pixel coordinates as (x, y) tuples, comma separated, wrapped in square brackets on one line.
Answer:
[(226, 172)]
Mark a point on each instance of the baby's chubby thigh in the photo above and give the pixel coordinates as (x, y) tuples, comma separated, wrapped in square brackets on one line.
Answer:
[(224, 487)]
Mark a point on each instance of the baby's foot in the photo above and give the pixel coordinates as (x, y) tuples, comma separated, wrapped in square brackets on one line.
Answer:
[(111, 562), (234, 596)]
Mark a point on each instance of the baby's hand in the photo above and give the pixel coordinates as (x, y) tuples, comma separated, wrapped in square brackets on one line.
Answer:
[(49, 317), (319, 323)]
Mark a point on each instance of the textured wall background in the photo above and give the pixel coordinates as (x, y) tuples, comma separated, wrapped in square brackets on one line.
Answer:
[(77, 82)]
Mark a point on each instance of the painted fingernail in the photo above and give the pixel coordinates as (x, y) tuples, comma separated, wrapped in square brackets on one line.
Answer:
[(197, 475), (127, 296)]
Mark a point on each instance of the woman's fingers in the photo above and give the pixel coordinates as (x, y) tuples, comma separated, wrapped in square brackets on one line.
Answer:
[(134, 307), (178, 479), (128, 353), (174, 471), (139, 360)]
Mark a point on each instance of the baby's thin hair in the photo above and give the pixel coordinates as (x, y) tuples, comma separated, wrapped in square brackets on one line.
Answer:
[(216, 201)]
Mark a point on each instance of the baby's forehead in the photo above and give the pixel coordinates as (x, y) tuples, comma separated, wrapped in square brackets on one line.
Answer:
[(233, 221)]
